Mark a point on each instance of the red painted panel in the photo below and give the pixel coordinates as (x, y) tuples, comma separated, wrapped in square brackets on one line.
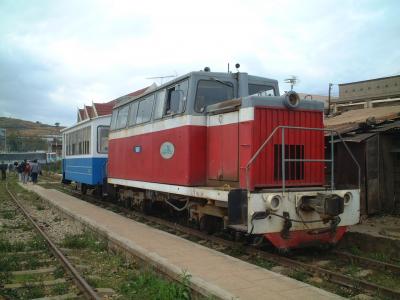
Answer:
[(186, 167), (223, 152), (266, 170), (301, 238), (214, 153)]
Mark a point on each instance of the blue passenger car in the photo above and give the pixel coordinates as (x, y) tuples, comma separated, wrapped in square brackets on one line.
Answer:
[(85, 152)]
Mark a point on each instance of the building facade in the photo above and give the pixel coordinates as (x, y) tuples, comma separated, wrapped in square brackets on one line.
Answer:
[(377, 92)]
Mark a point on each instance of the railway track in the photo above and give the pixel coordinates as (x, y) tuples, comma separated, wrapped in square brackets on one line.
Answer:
[(308, 267), (51, 255)]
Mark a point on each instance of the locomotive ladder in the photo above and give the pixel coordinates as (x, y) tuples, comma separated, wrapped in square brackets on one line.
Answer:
[(284, 159)]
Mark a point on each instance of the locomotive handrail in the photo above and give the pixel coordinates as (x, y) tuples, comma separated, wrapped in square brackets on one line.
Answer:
[(284, 160)]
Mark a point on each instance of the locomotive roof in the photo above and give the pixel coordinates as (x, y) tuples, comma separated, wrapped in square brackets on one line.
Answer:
[(128, 98)]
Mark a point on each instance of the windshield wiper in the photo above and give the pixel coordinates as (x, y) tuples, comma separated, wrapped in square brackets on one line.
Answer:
[(222, 82)]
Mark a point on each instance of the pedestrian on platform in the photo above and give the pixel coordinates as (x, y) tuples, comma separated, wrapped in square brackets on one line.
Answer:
[(34, 171), (26, 172), (3, 168), (20, 170)]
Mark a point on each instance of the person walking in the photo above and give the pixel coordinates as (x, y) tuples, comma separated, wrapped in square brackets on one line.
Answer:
[(34, 171), (3, 168), (26, 172), (20, 170)]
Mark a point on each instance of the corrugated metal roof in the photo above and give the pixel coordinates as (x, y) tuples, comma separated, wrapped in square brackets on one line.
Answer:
[(352, 119), (358, 138), (387, 127)]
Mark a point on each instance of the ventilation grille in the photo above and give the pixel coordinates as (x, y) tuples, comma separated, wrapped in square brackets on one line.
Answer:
[(294, 170)]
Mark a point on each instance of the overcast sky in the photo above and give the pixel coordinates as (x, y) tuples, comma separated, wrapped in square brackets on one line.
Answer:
[(56, 56)]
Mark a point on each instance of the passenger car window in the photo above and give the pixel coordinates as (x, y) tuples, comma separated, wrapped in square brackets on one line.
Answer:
[(144, 110), (122, 117), (211, 92), (159, 105), (133, 113), (102, 139), (176, 98), (78, 141), (261, 90)]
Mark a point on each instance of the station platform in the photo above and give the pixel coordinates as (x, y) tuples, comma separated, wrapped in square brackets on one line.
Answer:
[(213, 274)]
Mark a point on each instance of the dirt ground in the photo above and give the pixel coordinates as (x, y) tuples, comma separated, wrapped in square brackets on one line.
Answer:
[(379, 226)]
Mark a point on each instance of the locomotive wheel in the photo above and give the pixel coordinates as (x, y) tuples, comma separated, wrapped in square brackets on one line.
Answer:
[(98, 191), (83, 189), (146, 206), (210, 224)]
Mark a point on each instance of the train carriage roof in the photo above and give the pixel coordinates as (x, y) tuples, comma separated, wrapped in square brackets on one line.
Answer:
[(130, 97)]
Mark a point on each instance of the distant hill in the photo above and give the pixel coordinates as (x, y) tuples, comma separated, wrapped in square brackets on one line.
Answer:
[(27, 128)]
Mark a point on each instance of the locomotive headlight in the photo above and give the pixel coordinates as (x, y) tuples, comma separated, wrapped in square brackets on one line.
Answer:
[(273, 202), (348, 197)]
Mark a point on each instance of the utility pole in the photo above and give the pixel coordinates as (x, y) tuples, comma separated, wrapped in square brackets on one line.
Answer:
[(329, 98)]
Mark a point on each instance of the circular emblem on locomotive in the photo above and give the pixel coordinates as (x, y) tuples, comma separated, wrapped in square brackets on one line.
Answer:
[(167, 150)]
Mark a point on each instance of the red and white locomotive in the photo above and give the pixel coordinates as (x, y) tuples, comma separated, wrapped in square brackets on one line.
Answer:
[(226, 148)]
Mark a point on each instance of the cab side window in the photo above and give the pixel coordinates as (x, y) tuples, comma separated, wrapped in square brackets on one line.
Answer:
[(159, 105), (261, 90), (145, 109), (132, 113), (122, 117), (176, 98)]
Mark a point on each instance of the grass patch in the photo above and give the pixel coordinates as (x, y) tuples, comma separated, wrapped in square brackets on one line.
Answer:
[(236, 251), (24, 226), (32, 262), (86, 240), (7, 246), (28, 292), (40, 206), (148, 285), (59, 272), (37, 243), (355, 250), (263, 263), (8, 214), (59, 289), (299, 275)]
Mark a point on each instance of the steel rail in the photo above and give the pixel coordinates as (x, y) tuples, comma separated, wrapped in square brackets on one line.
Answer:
[(369, 262), (79, 280)]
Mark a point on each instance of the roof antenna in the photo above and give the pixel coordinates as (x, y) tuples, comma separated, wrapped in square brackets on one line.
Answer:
[(161, 78), (292, 80)]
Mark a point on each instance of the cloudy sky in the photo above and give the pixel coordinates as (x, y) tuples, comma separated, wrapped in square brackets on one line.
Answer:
[(56, 56)]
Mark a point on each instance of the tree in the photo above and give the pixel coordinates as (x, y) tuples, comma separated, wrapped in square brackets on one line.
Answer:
[(57, 124)]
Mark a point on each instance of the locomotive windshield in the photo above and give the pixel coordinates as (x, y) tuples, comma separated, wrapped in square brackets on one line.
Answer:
[(261, 90), (211, 92)]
